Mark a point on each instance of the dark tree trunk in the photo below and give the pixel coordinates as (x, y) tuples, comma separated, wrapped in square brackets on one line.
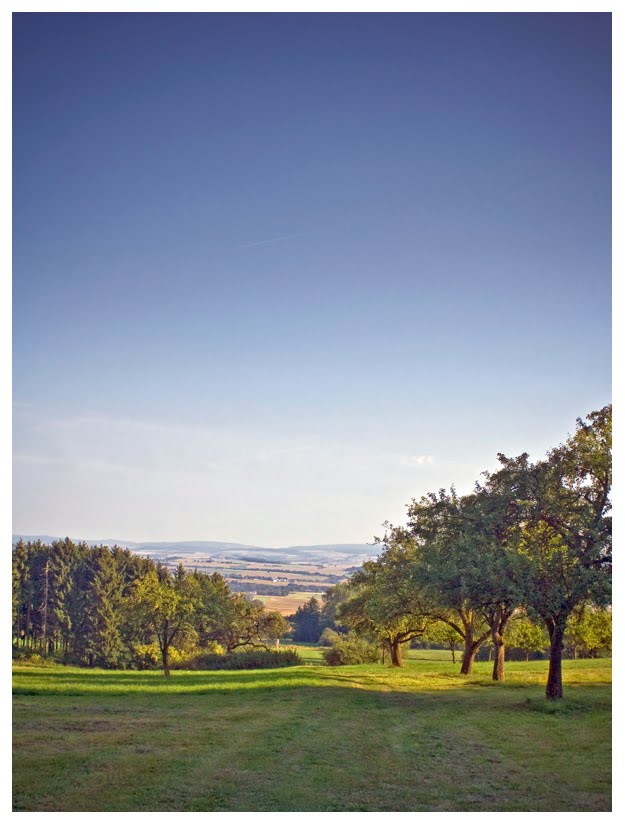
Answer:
[(470, 652), (471, 649), (453, 655), (396, 653), (27, 629), (44, 628), (499, 648), (165, 654), (554, 679)]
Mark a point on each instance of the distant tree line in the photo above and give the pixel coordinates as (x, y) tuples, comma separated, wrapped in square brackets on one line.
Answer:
[(525, 559), (105, 607)]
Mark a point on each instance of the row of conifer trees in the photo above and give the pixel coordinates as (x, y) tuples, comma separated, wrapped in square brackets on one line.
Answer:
[(95, 605)]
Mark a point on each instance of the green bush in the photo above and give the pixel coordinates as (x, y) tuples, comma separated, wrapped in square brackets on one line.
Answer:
[(352, 650), (328, 637), (242, 660), (149, 657), (27, 657)]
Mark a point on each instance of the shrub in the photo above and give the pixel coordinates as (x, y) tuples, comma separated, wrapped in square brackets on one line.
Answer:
[(27, 657), (146, 657), (149, 657), (243, 660), (352, 650), (328, 637)]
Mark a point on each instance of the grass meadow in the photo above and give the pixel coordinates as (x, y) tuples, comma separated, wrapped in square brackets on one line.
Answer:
[(312, 738)]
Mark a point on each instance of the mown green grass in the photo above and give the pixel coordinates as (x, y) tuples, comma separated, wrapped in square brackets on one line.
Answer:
[(312, 653), (312, 738)]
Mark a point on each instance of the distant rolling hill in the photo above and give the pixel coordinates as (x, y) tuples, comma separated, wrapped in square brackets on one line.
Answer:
[(315, 553)]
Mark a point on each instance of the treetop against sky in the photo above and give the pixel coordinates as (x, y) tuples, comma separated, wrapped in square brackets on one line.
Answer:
[(275, 275)]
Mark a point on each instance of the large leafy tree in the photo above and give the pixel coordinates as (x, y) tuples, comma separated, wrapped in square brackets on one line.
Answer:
[(215, 610), (447, 564), (332, 599), (498, 568), (567, 530), (389, 599)]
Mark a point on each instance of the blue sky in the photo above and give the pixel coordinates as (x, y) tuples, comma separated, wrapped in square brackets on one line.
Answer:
[(275, 275)]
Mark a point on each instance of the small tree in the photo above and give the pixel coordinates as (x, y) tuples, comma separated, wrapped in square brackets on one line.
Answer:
[(248, 624), (589, 631), (527, 636), (164, 606), (441, 633)]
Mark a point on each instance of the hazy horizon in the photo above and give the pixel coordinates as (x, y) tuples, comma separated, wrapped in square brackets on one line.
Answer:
[(143, 542), (277, 274)]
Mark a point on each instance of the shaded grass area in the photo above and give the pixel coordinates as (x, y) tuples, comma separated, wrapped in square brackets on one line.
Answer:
[(361, 738)]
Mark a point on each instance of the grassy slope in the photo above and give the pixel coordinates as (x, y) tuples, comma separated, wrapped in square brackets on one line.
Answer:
[(312, 738)]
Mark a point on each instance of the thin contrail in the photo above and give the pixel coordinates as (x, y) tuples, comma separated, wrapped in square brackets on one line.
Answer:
[(268, 241)]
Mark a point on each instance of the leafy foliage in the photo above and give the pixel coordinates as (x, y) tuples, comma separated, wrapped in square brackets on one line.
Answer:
[(589, 632), (526, 635), (352, 650), (328, 637), (389, 601)]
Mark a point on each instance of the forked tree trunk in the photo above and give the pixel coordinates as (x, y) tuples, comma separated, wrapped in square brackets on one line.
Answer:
[(471, 649), (554, 679)]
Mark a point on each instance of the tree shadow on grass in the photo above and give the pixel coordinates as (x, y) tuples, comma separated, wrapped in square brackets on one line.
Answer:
[(89, 683), (385, 682)]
